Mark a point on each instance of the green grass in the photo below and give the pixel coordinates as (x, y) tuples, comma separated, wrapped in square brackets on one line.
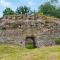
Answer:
[(13, 52)]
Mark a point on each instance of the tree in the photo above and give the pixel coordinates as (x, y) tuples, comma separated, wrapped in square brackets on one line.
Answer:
[(8, 11), (58, 13), (23, 10), (47, 9), (53, 0)]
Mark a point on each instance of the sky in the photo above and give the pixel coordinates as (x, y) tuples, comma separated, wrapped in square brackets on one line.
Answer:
[(13, 4)]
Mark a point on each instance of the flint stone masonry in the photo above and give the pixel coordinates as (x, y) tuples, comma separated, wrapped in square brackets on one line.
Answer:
[(14, 29)]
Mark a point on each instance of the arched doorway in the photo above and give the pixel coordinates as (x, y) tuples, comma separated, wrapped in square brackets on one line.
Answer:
[(30, 42)]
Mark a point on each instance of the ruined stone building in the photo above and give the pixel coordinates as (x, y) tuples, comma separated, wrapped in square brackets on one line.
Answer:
[(22, 29)]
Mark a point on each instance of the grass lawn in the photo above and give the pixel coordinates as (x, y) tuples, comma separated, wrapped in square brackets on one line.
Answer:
[(13, 52)]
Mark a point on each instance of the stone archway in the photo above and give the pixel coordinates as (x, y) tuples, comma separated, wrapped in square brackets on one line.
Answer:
[(30, 40)]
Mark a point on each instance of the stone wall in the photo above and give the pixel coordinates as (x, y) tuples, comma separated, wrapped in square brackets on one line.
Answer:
[(15, 29)]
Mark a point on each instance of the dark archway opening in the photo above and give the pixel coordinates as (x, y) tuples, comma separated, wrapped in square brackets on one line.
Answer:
[(30, 42)]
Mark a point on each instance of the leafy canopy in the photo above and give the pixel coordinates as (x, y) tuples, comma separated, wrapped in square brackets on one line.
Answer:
[(8, 11), (49, 10), (23, 10)]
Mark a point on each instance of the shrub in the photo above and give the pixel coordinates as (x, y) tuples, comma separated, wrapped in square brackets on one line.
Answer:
[(57, 41), (29, 46)]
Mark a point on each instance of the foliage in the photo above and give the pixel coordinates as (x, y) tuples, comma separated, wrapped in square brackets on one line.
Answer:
[(29, 46), (57, 13), (8, 11), (53, 0), (22, 10), (49, 10), (57, 41)]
